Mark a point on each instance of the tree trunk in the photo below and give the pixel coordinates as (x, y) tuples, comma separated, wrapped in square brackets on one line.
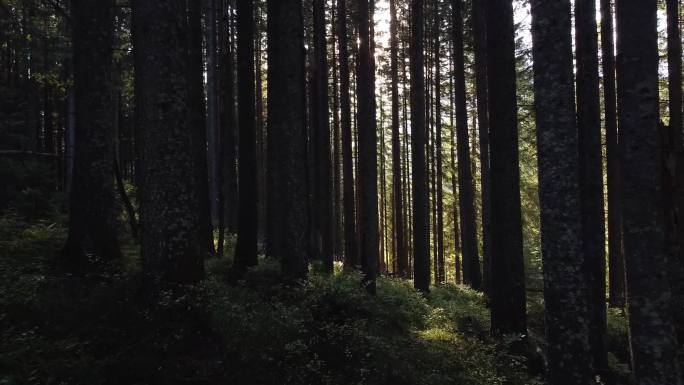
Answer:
[(508, 271), (287, 128), (350, 240), (398, 226), (212, 103), (439, 206), (471, 263), (480, 47), (367, 151), (338, 232), (421, 259), (565, 284), (652, 339), (92, 208), (198, 126), (616, 265), (591, 177), (246, 248), (321, 140), (172, 249)]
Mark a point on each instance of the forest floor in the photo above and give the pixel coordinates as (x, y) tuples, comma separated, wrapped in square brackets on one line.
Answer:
[(57, 327)]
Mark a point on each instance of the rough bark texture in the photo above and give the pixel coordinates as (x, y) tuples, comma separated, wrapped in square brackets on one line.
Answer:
[(246, 248), (367, 151), (321, 140), (421, 258), (565, 284), (398, 226), (169, 200), (591, 177), (652, 338), (675, 163), (287, 128), (350, 240), (508, 272), (471, 262), (480, 47), (616, 266), (198, 122), (92, 215)]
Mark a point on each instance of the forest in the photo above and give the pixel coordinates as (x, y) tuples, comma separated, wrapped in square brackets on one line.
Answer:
[(295, 192)]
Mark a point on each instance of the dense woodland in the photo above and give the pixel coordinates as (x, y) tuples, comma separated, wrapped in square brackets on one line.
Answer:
[(341, 192)]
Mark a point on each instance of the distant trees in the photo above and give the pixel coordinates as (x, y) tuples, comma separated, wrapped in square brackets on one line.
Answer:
[(92, 223)]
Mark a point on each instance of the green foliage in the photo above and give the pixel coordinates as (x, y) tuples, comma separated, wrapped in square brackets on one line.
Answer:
[(28, 188), (330, 331)]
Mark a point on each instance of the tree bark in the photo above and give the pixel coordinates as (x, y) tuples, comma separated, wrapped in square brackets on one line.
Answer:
[(92, 208), (421, 258), (172, 247), (616, 266), (348, 198), (398, 225), (471, 263), (246, 248), (367, 151), (480, 47), (591, 177), (652, 339), (565, 284), (508, 271), (287, 128)]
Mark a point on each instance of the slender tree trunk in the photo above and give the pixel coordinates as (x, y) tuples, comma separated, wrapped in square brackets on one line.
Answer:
[(616, 277), (652, 338), (261, 146), (508, 272), (421, 259), (439, 206), (367, 151), (287, 128), (480, 47), (338, 233), (471, 263), (198, 122), (398, 226), (350, 242), (212, 103), (321, 135), (92, 208), (674, 165), (171, 240), (246, 248), (454, 180)]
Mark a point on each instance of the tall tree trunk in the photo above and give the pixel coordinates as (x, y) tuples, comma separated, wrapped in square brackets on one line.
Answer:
[(675, 164), (508, 271), (287, 128), (398, 225), (172, 247), (454, 180), (92, 208), (616, 265), (321, 136), (591, 177), (367, 151), (652, 338), (246, 248), (439, 206), (565, 285), (226, 151), (421, 259), (338, 232), (349, 202), (471, 263), (212, 103), (198, 126), (261, 146), (480, 47)]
